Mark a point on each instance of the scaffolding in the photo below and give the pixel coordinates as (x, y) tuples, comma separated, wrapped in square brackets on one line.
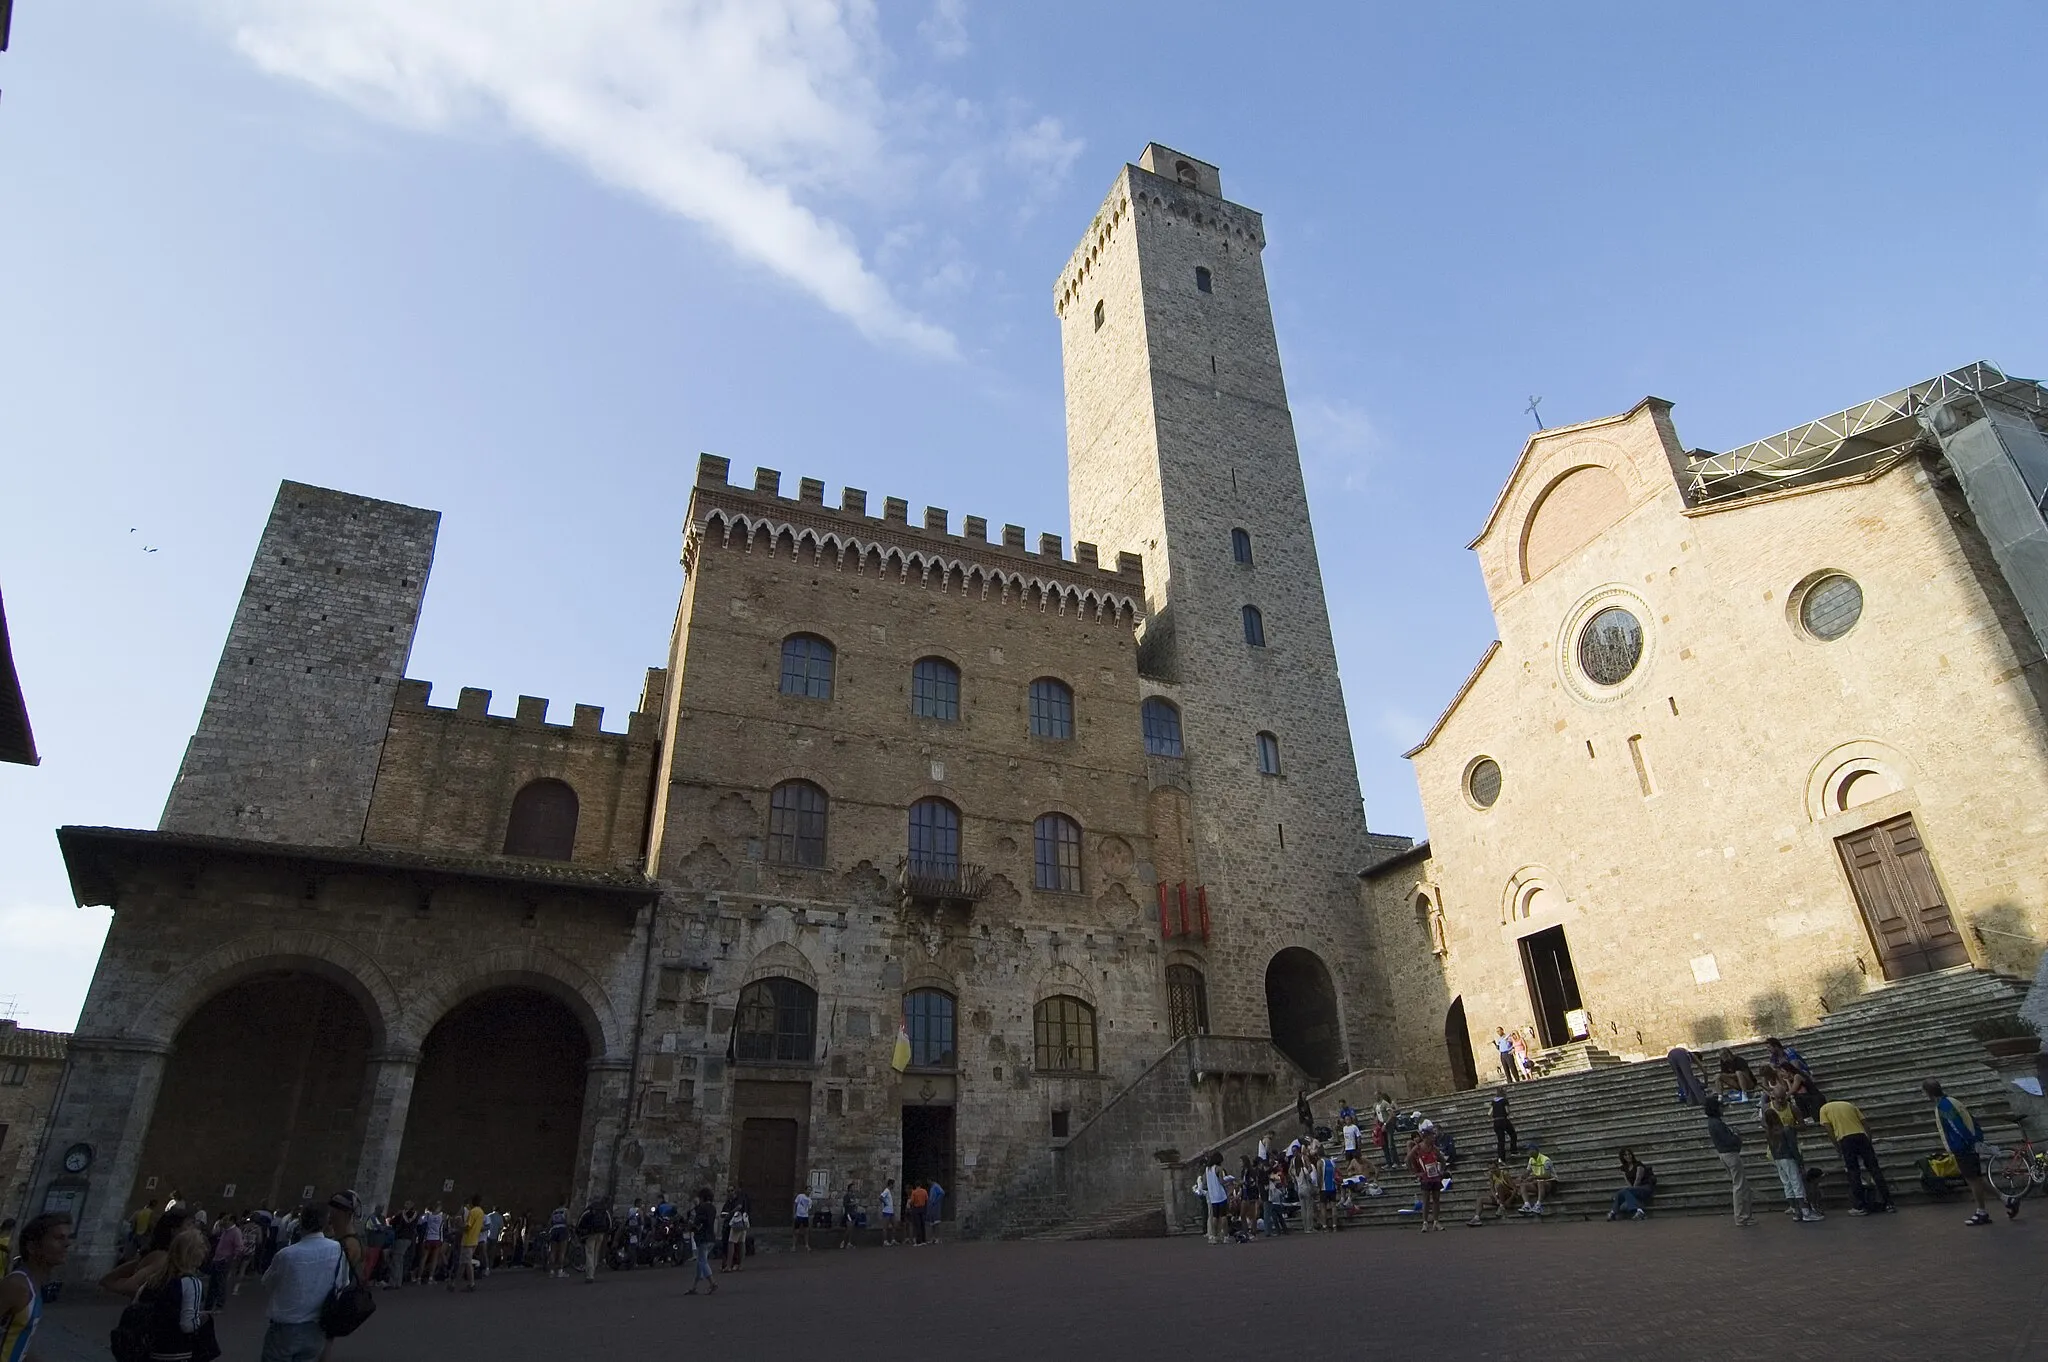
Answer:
[(1864, 439)]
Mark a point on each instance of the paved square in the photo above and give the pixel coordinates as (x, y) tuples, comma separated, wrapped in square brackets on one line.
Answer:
[(1914, 1285)]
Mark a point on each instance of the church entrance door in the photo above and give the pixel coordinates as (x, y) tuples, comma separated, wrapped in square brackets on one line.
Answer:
[(1458, 1041), (1902, 902), (767, 1168), (1553, 985)]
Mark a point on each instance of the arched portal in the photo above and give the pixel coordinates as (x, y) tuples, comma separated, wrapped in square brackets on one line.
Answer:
[(261, 1097), (497, 1105), (1301, 1010), (1458, 1042)]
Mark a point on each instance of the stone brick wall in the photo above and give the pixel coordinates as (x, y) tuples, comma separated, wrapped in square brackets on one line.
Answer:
[(1702, 892), (25, 1106), (287, 746), (1178, 431), (447, 776)]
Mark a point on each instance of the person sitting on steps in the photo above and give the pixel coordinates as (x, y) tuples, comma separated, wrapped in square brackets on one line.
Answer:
[(1537, 1183), (1638, 1189), (1500, 1191)]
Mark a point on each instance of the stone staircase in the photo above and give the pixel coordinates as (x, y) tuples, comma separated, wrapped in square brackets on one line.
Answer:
[(1134, 1218), (1873, 1051)]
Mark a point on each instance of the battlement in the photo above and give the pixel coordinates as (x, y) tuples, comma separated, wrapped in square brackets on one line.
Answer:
[(848, 533), (474, 703), (1166, 182)]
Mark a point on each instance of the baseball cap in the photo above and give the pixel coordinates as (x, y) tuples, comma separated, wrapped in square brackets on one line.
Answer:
[(346, 1201)]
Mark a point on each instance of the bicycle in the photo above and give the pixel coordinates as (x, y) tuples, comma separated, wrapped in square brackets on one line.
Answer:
[(2012, 1173)]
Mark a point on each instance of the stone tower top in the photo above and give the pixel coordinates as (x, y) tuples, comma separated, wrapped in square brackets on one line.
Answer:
[(1181, 168)]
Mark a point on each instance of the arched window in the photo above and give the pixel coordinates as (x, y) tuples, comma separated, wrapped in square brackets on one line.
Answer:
[(1162, 728), (928, 1014), (543, 822), (1269, 755), (1056, 842), (777, 1022), (1202, 281), (934, 839), (1052, 709), (1064, 1034), (796, 823), (935, 689), (807, 667), (1241, 547), (1187, 1002), (1254, 627)]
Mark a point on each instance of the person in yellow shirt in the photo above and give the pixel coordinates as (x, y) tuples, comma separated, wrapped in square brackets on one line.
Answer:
[(472, 1239), (1844, 1125)]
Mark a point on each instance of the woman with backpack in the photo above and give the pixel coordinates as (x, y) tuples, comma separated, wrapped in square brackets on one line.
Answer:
[(180, 1327), (1426, 1162)]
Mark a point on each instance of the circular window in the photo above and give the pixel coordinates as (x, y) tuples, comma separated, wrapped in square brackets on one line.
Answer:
[(1482, 782), (1610, 646), (1831, 607)]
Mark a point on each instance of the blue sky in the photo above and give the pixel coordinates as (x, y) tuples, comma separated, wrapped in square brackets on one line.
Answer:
[(520, 263)]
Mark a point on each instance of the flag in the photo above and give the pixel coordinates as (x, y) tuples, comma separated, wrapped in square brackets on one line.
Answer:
[(901, 1060)]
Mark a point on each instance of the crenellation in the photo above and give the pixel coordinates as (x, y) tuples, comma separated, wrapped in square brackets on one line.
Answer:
[(473, 703), (768, 482), (853, 501), (811, 490), (975, 529), (935, 519), (532, 711), (896, 510)]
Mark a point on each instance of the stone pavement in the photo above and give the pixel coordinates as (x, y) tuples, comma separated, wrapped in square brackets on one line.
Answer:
[(1914, 1285)]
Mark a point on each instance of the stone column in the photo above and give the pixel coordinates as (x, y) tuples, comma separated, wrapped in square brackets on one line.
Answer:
[(387, 1093), (604, 1126), (108, 1096)]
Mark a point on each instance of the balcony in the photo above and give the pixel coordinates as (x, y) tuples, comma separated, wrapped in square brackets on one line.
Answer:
[(942, 882)]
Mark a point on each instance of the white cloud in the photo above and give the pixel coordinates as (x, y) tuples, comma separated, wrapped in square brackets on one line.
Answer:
[(1401, 728), (733, 114), (51, 954), (1339, 443), (944, 30), (1043, 149)]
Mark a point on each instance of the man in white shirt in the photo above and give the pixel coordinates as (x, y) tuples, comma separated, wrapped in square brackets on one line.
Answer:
[(1505, 1044), (803, 1220), (1351, 1138), (889, 1211), (300, 1278)]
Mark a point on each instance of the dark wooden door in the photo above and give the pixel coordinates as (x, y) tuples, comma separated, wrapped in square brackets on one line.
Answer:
[(767, 1168), (1901, 900)]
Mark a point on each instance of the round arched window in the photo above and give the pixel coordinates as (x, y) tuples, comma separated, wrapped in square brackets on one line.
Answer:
[(1482, 782), (1831, 607), (1610, 646)]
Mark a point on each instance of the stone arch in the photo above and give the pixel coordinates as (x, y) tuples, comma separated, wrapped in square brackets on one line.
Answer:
[(1570, 511), (1302, 1014), (533, 967), (783, 960), (330, 957), (1829, 779), (1065, 979), (1530, 893)]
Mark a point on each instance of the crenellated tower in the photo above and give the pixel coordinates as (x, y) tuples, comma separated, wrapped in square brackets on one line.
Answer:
[(1180, 447)]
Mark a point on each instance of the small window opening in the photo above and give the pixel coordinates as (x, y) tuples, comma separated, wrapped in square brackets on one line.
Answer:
[(1269, 755), (1283, 835), (1241, 547), (1672, 700), (1590, 755), (1098, 314), (1202, 280), (1254, 627), (1642, 761), (1060, 1122)]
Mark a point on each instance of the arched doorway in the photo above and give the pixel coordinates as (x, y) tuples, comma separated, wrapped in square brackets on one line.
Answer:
[(262, 1096), (1458, 1042), (1301, 1010), (497, 1105)]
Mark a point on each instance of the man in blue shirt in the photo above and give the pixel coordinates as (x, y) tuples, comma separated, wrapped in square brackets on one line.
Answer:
[(1960, 1136), (937, 1195)]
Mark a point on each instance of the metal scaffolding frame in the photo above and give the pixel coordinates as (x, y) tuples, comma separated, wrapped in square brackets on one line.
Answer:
[(1862, 439)]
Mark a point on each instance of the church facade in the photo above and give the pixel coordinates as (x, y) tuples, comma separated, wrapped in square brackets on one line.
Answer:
[(1762, 730), (922, 845)]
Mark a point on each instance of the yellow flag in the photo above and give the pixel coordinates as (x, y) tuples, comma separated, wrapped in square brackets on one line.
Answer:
[(901, 1059)]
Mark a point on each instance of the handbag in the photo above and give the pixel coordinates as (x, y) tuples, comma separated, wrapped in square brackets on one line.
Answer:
[(205, 1347), (129, 1338), (348, 1304)]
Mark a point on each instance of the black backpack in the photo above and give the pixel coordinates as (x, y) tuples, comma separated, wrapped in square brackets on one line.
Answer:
[(348, 1304)]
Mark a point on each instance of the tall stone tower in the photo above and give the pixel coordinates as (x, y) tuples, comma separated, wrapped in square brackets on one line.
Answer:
[(288, 744), (1180, 447)]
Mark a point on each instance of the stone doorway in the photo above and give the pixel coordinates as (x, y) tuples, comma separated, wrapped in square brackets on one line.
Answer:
[(1301, 1010), (928, 1151), (262, 1097), (1903, 906), (767, 1167), (1553, 983), (1187, 1002), (497, 1106)]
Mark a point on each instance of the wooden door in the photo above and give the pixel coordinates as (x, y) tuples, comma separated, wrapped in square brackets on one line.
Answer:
[(768, 1168), (1187, 1002), (1902, 903)]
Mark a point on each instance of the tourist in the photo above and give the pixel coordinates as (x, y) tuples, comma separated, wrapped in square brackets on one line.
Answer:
[(1265, 1150), (888, 1209), (915, 1204), (1638, 1188), (1728, 1145), (558, 1240), (1783, 1054), (1505, 1046), (703, 1223), (44, 1242), (301, 1277), (139, 1226), (1525, 1062), (494, 1228), (849, 1213), (1500, 1192), (1691, 1092), (800, 1219), (1250, 1191), (433, 1229), (1383, 1127), (1505, 1140), (1736, 1076), (739, 1222), (1217, 1193), (1537, 1180), (1351, 1134), (471, 1247), (1427, 1165), (1782, 1138), (1800, 1091), (405, 1237), (934, 1208), (220, 1263), (594, 1228), (1843, 1122), (1304, 1113), (177, 1310), (148, 1269), (1961, 1136)]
